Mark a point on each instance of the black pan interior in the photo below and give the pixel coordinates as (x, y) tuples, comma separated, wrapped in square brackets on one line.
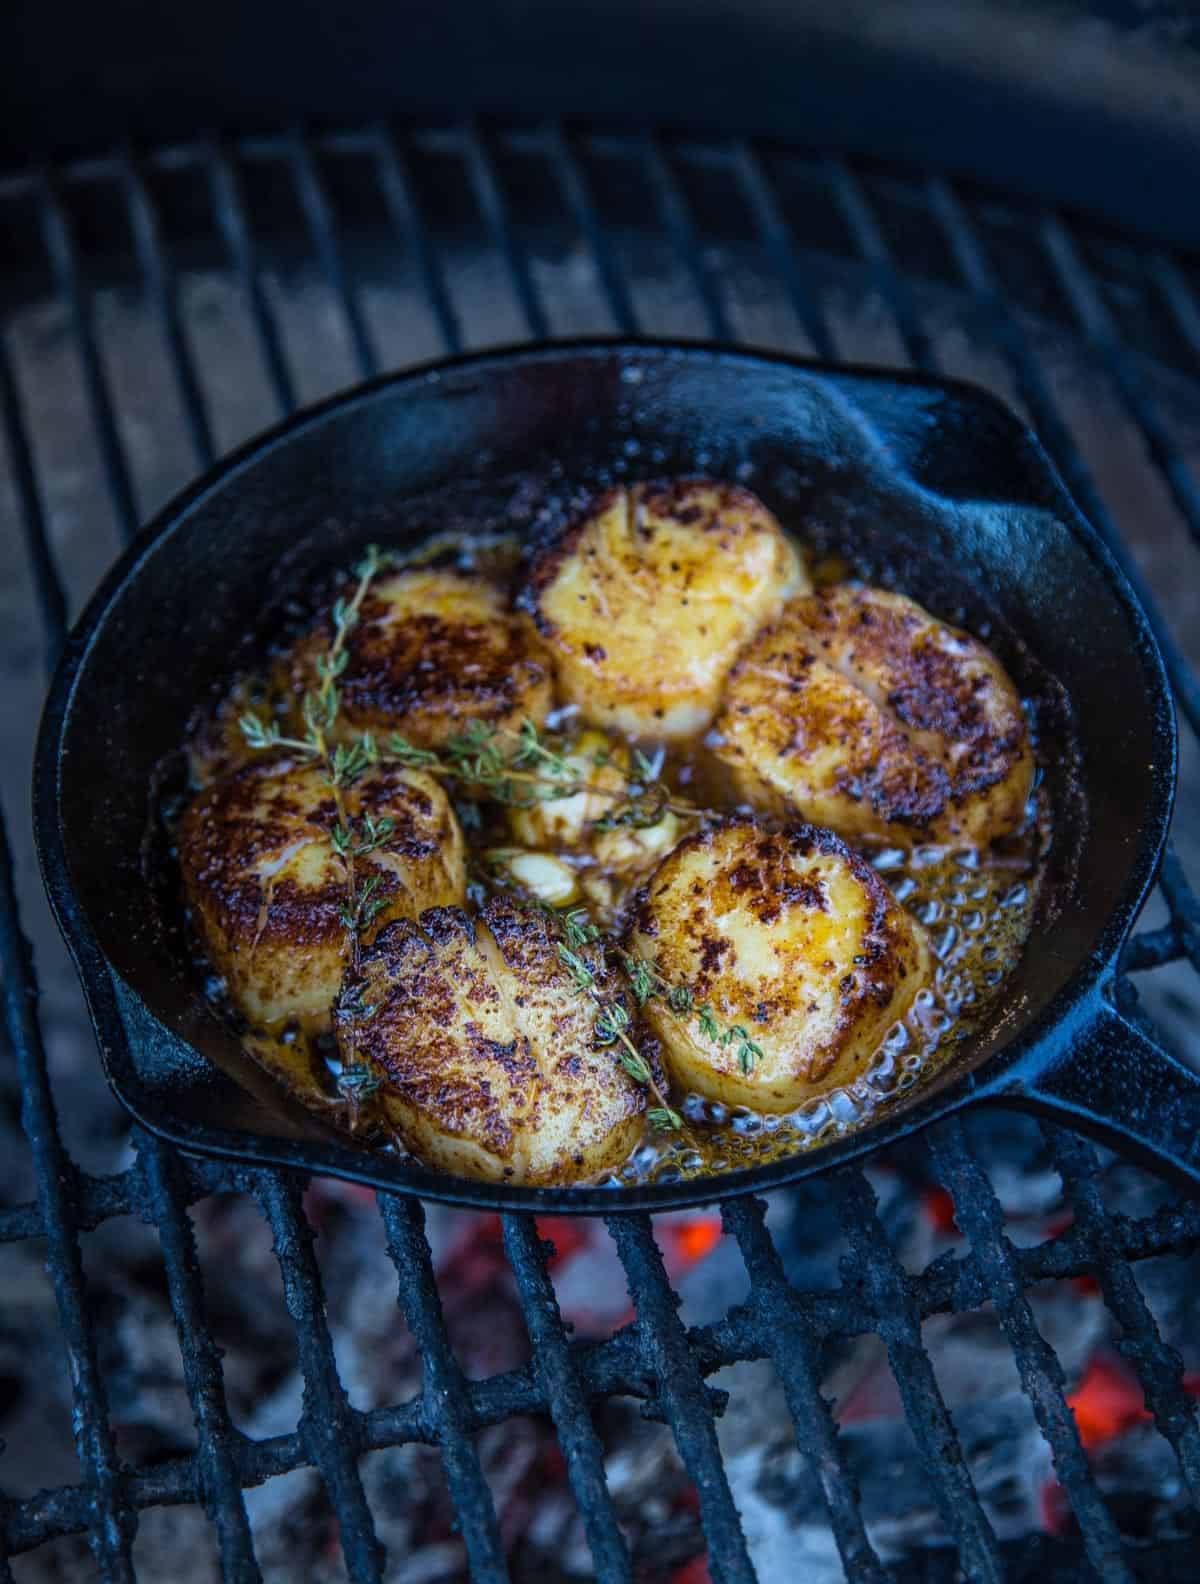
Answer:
[(933, 488)]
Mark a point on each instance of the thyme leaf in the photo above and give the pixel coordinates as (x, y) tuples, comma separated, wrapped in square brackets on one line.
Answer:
[(664, 1120), (611, 1026), (646, 982), (578, 928), (522, 768)]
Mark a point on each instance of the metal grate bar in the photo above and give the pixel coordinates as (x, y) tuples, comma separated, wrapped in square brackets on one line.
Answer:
[(897, 1319), (978, 1213), (684, 1396), (558, 1378), (615, 1367), (1184, 905), (1151, 949), (229, 210), (444, 1390), (677, 220), (328, 1427), (163, 288), (781, 246), (1010, 339), (795, 1352), (1159, 1367), (1178, 296), (216, 1460), (96, 1199), (52, 604), (399, 196), (572, 178), (111, 1528), (485, 180), (870, 241), (318, 212), (72, 288), (110, 1521), (1096, 322)]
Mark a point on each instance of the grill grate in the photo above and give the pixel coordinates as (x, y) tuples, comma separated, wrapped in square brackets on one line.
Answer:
[(658, 1359)]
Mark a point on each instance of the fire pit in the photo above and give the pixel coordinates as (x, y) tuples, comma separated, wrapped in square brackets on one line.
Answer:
[(972, 1358)]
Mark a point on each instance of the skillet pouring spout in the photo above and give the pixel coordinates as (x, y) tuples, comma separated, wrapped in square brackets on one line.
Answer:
[(928, 486)]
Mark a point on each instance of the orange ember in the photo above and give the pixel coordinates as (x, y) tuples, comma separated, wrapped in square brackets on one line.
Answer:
[(692, 1239), (1107, 1401)]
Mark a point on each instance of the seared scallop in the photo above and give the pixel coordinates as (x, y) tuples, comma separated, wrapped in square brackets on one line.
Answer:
[(798, 958), (434, 649), (645, 601), (486, 1049), (859, 710), (267, 887)]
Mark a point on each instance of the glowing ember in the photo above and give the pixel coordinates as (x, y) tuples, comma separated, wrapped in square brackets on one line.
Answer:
[(939, 1210), (687, 1241), (693, 1572), (1107, 1401)]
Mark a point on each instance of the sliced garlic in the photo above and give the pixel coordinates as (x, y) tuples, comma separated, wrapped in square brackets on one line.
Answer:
[(546, 878)]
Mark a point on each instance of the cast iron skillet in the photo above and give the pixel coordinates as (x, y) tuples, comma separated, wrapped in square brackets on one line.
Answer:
[(931, 485)]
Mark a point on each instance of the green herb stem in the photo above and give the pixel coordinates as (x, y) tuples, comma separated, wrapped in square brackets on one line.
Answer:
[(647, 983), (611, 1026)]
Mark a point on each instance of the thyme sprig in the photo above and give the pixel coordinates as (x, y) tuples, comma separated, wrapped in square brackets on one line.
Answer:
[(357, 1083), (342, 764), (647, 983), (521, 769), (612, 1022), (320, 705), (357, 841), (361, 908)]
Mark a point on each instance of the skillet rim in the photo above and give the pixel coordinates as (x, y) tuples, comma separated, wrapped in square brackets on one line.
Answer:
[(1067, 1013)]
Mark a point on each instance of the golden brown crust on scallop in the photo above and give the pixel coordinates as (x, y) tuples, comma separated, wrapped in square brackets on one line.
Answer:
[(789, 935), (859, 710), (434, 649), (486, 1050), (645, 600), (266, 887)]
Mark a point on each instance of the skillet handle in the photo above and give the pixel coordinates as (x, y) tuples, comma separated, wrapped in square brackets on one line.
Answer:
[(1115, 1083)]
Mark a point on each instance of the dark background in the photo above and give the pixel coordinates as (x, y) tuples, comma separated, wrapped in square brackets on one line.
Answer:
[(1096, 105)]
